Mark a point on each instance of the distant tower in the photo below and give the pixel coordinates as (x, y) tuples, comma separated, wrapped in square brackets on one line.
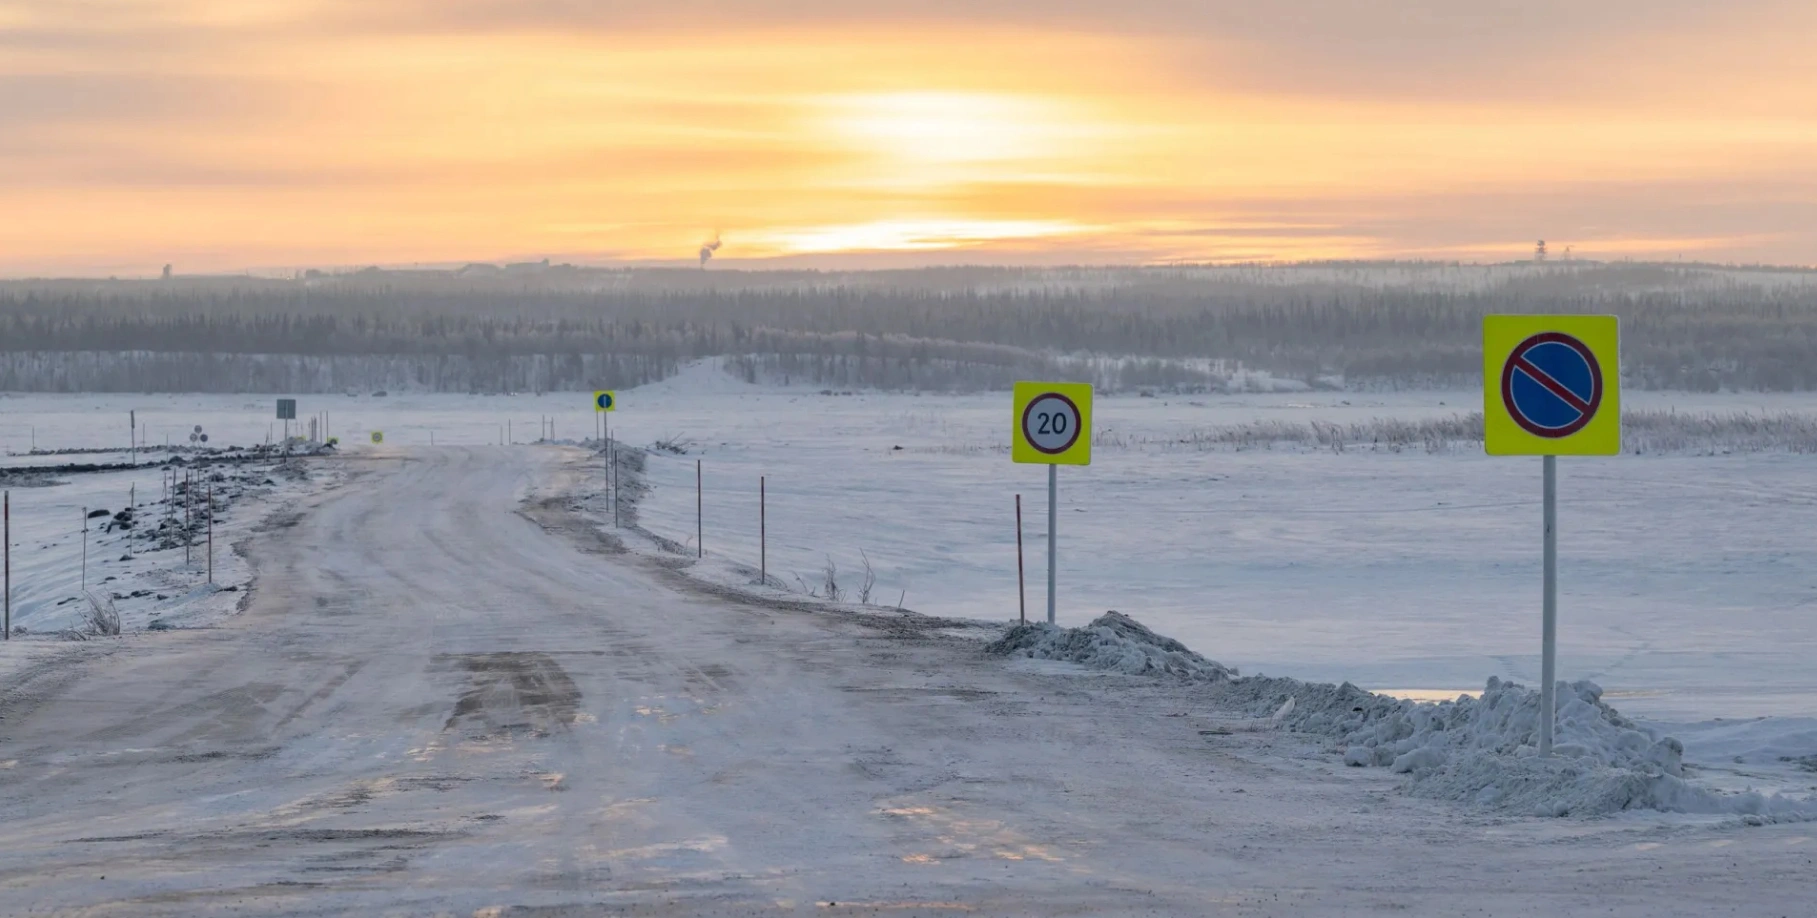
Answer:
[(1539, 251), (167, 272), (1567, 253)]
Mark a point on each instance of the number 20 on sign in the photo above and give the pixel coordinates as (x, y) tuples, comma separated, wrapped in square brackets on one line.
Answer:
[(1051, 426)]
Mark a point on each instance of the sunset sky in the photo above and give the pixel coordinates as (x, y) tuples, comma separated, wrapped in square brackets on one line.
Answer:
[(268, 135)]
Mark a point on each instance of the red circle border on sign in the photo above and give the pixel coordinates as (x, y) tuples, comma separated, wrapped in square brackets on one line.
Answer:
[(1076, 416), (1596, 387)]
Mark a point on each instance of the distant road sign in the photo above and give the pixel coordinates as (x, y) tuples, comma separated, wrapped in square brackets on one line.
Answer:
[(287, 409), (378, 436), (605, 401), (1551, 386), (1052, 423)]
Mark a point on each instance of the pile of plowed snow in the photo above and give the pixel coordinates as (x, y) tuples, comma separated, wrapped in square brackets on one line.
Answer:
[(1481, 751), (1113, 642)]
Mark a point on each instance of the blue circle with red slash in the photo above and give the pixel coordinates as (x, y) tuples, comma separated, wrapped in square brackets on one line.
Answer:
[(1552, 385)]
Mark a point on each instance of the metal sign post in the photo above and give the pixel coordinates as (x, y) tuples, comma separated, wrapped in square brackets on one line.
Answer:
[(1052, 427), (7, 539), (1053, 530), (605, 402), (1548, 655), (1551, 387)]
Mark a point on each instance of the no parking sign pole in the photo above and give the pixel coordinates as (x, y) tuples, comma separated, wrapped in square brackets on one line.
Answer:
[(1051, 426), (1551, 387), (605, 402)]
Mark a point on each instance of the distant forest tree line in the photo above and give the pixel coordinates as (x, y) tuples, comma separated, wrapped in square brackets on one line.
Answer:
[(959, 329)]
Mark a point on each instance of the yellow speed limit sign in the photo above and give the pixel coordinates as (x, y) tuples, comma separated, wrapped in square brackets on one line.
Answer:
[(1052, 423)]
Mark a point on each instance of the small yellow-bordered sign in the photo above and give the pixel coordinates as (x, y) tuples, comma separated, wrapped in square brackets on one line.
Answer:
[(1052, 423), (605, 400), (1551, 385), (378, 436)]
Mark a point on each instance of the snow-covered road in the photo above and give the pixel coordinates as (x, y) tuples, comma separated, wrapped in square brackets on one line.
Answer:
[(450, 696)]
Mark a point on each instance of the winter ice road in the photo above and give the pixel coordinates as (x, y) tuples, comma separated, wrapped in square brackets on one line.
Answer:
[(447, 697)]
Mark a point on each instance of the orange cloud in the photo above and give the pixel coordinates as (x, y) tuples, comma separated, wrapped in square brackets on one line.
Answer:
[(226, 134)]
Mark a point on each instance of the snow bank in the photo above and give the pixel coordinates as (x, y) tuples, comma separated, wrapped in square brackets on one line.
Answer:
[(1114, 642), (1479, 751)]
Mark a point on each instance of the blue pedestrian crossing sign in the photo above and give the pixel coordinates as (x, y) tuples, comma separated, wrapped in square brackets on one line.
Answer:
[(1551, 386), (605, 401)]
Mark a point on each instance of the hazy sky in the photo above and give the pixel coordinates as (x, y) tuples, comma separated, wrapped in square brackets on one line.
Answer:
[(268, 134)]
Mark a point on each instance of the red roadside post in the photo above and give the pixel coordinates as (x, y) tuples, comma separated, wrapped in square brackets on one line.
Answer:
[(1021, 586)]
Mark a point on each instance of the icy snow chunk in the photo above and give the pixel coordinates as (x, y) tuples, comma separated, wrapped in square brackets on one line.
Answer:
[(1423, 758), (1114, 642)]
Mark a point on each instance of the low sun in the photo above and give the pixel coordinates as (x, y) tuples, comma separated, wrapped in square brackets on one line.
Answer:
[(948, 127)]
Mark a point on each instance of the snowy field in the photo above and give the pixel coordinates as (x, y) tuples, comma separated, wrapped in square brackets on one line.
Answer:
[(1687, 580), (145, 573)]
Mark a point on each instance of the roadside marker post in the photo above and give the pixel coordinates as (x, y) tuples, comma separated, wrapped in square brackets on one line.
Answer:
[(1551, 387), (211, 534), (6, 538), (700, 515), (1021, 580), (85, 549), (1051, 426), (763, 532)]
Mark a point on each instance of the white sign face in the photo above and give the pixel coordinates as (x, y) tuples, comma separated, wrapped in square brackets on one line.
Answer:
[(1051, 423)]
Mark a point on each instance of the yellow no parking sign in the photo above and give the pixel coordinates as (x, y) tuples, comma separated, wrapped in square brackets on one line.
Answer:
[(1551, 386)]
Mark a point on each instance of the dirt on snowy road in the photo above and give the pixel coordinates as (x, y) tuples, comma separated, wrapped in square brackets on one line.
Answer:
[(448, 698)]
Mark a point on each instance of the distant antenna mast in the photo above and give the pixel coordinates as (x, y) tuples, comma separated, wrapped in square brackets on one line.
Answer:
[(1539, 251)]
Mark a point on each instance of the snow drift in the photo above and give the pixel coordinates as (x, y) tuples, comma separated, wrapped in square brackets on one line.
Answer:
[(1114, 642), (1480, 751)]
